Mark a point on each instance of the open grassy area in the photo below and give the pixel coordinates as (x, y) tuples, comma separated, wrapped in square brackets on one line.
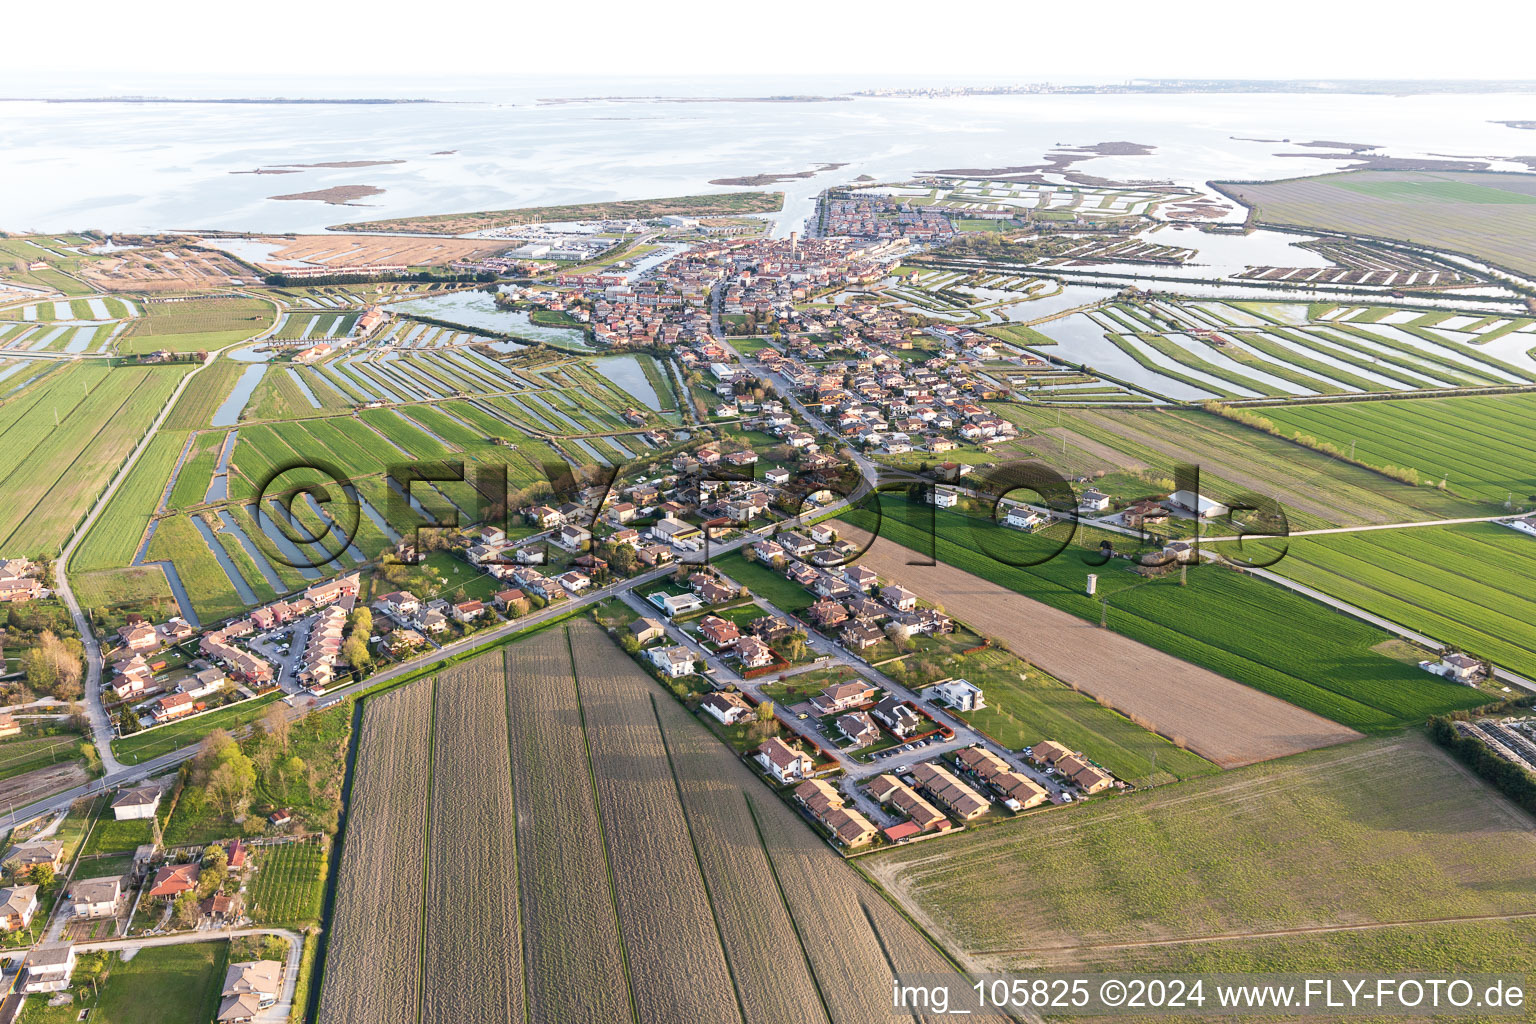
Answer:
[(151, 743), (1482, 447), (1472, 586), (159, 984), (1025, 706), (61, 440), (1484, 214), (1244, 628), (1380, 832), (117, 533)]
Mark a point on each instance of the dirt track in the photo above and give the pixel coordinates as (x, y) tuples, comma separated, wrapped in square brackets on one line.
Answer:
[(1221, 720)]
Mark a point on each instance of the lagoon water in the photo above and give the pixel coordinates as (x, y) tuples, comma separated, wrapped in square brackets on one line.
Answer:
[(136, 166)]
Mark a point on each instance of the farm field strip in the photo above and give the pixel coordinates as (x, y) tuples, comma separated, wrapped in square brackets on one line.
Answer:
[(473, 965), (372, 964), (1423, 840), (573, 966), (648, 840)]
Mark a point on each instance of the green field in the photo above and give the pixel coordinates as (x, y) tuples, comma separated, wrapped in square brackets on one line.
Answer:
[(1315, 489), (1246, 629), (62, 439), (1472, 586), (1025, 706), (151, 743), (1386, 836), (1484, 214), (159, 984), (115, 537), (1483, 447), (176, 540)]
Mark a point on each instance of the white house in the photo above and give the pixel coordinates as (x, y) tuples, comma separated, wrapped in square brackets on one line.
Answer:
[(782, 761), (1021, 518), (1457, 667), (48, 969), (676, 604), (673, 662), (960, 694), (136, 803), (1198, 504), (1093, 500), (727, 708), (93, 898), (943, 498)]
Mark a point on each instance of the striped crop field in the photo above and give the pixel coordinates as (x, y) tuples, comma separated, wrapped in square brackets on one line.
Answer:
[(1481, 446), (593, 854), (1472, 586)]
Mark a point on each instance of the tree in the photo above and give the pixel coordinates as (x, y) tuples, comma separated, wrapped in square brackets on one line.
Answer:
[(275, 724), (355, 650), (630, 645), (211, 752), (231, 785), (362, 620), (765, 711), (43, 875), (186, 909), (795, 645), (54, 666)]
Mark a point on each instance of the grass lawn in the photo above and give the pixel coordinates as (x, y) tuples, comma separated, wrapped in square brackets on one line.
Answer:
[(1384, 832), (113, 836), (1025, 706), (160, 984), (1247, 629), (151, 743), (766, 583)]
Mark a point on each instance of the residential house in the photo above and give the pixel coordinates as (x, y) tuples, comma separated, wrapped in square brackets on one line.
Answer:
[(1144, 513), (1047, 752), (249, 988), (173, 706), (718, 631), (676, 604), (47, 969), (859, 728), (30, 855), (138, 803), (860, 634), (467, 611), (843, 697), (752, 653), (959, 799), (1092, 500), (898, 597), (1085, 776), (1020, 517), (134, 677), (1018, 791), (511, 602), (572, 538), (1457, 667), (848, 827), (674, 662), (172, 880), (822, 533), (861, 578), (897, 716), (827, 614), (644, 630), (17, 905), (782, 762), (93, 898), (943, 497), (139, 637), (727, 707), (960, 694), (891, 791)]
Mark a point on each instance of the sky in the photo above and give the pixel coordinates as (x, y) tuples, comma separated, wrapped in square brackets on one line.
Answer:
[(283, 41)]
